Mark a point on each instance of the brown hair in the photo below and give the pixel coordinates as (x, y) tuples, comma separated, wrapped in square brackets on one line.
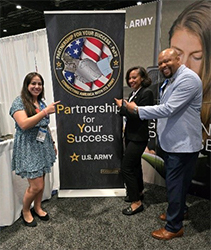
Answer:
[(142, 72), (26, 96), (196, 19)]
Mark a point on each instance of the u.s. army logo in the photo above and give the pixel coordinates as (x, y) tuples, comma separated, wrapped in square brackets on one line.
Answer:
[(87, 63)]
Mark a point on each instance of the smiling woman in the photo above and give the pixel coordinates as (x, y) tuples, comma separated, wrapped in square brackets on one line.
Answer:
[(136, 137), (32, 137)]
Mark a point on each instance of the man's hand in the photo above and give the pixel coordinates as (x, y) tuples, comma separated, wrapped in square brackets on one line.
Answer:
[(130, 106)]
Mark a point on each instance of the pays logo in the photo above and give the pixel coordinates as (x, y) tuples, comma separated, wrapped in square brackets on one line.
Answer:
[(87, 63)]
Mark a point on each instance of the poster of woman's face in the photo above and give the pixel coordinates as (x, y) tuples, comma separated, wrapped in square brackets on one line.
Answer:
[(185, 26), (190, 35)]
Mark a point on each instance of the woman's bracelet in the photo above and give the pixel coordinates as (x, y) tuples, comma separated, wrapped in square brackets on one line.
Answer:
[(45, 112)]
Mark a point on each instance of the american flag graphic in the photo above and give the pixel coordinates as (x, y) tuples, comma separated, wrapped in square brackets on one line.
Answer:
[(92, 49)]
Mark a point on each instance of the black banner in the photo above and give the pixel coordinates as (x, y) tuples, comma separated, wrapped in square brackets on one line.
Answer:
[(86, 55)]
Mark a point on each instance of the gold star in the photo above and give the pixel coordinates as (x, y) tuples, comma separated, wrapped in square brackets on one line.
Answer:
[(58, 64), (74, 157), (116, 63)]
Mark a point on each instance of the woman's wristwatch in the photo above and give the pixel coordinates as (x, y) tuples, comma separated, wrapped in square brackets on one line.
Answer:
[(135, 110)]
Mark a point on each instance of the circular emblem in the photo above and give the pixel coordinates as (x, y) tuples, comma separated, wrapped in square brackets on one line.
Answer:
[(87, 63)]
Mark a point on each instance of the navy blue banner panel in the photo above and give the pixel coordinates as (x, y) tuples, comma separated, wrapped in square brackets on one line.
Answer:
[(86, 55)]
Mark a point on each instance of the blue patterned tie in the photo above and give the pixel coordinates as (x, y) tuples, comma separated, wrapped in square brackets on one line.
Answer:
[(162, 88)]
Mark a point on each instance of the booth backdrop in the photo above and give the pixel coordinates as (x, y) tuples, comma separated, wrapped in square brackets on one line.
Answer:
[(147, 24)]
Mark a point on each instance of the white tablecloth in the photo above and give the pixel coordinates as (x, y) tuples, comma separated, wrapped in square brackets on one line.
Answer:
[(12, 187)]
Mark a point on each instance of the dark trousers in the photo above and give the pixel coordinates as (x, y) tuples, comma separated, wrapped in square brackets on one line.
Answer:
[(179, 172), (132, 169)]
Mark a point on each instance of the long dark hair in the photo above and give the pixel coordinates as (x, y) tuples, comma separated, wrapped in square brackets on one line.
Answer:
[(26, 96), (143, 73), (196, 19)]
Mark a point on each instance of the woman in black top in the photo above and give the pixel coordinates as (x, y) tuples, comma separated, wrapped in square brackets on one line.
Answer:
[(136, 137)]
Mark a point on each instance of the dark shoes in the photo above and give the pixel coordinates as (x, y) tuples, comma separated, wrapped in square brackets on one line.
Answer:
[(163, 216), (44, 218), (129, 211), (127, 199), (163, 234), (28, 224)]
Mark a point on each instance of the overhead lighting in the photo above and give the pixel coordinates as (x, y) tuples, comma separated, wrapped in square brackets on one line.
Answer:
[(4, 30), (18, 7), (139, 3)]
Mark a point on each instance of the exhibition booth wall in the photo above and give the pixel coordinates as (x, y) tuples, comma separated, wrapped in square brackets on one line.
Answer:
[(146, 33)]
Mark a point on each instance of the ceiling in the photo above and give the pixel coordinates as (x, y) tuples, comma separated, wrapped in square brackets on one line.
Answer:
[(30, 17)]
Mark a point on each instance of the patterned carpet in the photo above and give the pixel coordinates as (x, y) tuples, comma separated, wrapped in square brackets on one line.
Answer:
[(98, 224)]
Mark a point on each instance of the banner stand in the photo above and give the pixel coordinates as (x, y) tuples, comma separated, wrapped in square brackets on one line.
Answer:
[(92, 193), (86, 55)]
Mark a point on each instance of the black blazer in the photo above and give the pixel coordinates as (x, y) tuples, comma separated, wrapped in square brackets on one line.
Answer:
[(137, 129)]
